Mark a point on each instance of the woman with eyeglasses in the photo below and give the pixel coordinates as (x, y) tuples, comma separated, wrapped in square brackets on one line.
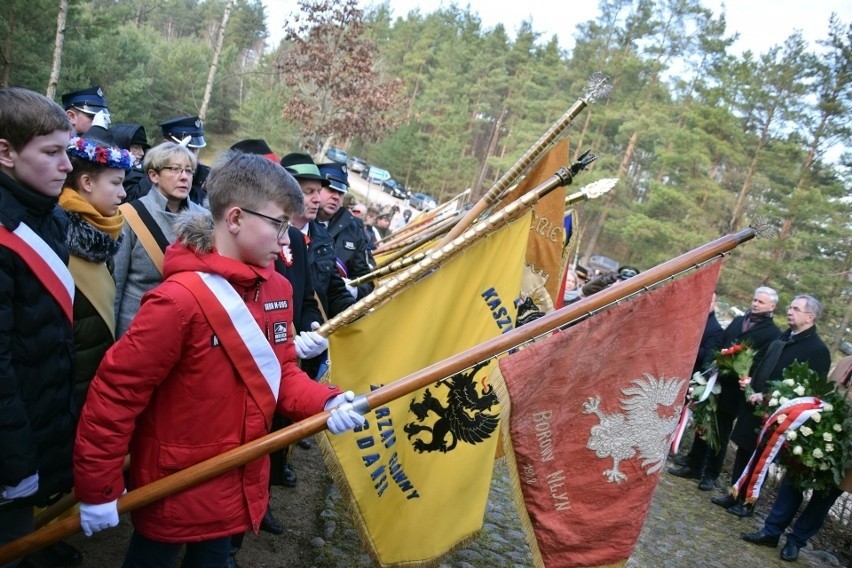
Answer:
[(149, 227)]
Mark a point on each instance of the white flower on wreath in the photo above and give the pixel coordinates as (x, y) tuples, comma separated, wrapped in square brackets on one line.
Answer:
[(799, 390), (791, 435), (828, 407), (781, 418), (816, 417), (827, 437), (829, 448), (797, 450), (776, 394), (773, 402), (817, 453), (823, 466), (783, 400), (806, 431), (837, 428), (789, 382)]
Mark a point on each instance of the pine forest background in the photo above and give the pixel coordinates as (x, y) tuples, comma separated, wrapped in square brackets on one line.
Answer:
[(705, 141)]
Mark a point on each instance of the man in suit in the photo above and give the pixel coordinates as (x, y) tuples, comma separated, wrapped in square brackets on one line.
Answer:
[(800, 342), (789, 499), (757, 329)]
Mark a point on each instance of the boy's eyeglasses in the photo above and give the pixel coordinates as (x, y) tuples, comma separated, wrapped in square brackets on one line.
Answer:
[(176, 170), (282, 224)]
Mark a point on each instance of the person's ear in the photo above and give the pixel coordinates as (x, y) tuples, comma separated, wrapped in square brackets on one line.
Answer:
[(86, 182), (234, 218), (7, 154)]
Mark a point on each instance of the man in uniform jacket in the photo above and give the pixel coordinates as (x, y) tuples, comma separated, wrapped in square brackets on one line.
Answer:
[(331, 290), (799, 343), (350, 239), (756, 328)]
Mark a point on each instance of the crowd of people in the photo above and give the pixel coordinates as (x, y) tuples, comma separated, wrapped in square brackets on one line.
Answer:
[(131, 274), (775, 351)]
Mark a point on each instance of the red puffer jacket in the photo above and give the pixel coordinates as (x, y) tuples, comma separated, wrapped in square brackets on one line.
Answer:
[(167, 392)]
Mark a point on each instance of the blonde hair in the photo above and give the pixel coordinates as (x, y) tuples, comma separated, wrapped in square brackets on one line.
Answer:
[(163, 154)]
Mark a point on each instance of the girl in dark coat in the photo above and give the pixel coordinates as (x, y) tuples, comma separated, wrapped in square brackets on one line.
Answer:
[(90, 198)]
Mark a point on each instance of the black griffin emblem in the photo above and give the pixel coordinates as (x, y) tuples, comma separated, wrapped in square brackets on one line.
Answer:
[(464, 418), (528, 311)]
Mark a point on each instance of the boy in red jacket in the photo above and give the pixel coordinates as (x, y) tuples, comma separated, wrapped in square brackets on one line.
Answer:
[(205, 364)]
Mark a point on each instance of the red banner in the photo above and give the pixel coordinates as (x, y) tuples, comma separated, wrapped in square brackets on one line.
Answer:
[(593, 412)]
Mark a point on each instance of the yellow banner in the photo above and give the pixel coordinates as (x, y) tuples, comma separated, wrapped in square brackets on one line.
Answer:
[(420, 471)]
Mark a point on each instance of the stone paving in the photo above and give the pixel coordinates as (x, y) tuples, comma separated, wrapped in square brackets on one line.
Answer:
[(683, 529)]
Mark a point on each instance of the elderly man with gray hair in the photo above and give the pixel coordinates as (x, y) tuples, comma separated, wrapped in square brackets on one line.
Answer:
[(757, 329), (800, 342)]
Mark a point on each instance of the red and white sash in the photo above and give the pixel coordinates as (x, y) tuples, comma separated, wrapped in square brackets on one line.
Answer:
[(239, 334), (45, 264), (687, 413), (795, 413)]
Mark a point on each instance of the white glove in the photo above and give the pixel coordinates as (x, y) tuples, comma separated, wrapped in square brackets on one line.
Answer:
[(94, 518), (28, 486), (343, 417), (310, 343), (102, 119), (352, 289)]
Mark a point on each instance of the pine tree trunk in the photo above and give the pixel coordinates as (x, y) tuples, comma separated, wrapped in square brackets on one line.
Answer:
[(597, 229), (492, 146), (211, 77), (57, 49), (7, 47)]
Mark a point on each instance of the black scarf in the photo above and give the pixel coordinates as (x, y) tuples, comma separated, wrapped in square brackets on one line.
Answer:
[(751, 319), (773, 354)]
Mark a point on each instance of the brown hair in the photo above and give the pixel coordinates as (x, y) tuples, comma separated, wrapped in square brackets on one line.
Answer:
[(25, 114), (252, 181)]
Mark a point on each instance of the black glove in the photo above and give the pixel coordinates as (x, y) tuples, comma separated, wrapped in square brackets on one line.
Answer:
[(598, 283)]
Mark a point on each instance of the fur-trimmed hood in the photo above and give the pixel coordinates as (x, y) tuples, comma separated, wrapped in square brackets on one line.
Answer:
[(195, 230), (194, 251)]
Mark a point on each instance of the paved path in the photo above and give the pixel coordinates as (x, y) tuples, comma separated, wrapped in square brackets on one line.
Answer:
[(683, 529)]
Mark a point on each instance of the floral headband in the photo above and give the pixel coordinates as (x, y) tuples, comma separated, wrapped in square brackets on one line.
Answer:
[(107, 156)]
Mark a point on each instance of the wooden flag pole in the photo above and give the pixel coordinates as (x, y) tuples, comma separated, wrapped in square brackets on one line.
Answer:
[(597, 87), (240, 456), (256, 449), (397, 265), (416, 241), (479, 231)]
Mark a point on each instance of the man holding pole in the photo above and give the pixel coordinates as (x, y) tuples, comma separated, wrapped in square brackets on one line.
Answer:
[(350, 239), (206, 363)]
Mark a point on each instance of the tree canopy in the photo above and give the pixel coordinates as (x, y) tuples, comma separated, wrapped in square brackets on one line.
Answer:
[(705, 140)]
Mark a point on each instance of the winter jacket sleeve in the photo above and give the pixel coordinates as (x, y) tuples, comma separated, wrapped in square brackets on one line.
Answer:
[(121, 390), (17, 443)]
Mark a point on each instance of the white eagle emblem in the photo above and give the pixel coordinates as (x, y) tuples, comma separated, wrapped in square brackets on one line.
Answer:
[(642, 429)]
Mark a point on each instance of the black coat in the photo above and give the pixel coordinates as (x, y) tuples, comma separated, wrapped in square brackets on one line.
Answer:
[(37, 417), (806, 347), (759, 336), (329, 286), (711, 341), (305, 307), (352, 246)]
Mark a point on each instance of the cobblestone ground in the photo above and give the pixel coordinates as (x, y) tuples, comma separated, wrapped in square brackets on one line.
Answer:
[(683, 529)]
